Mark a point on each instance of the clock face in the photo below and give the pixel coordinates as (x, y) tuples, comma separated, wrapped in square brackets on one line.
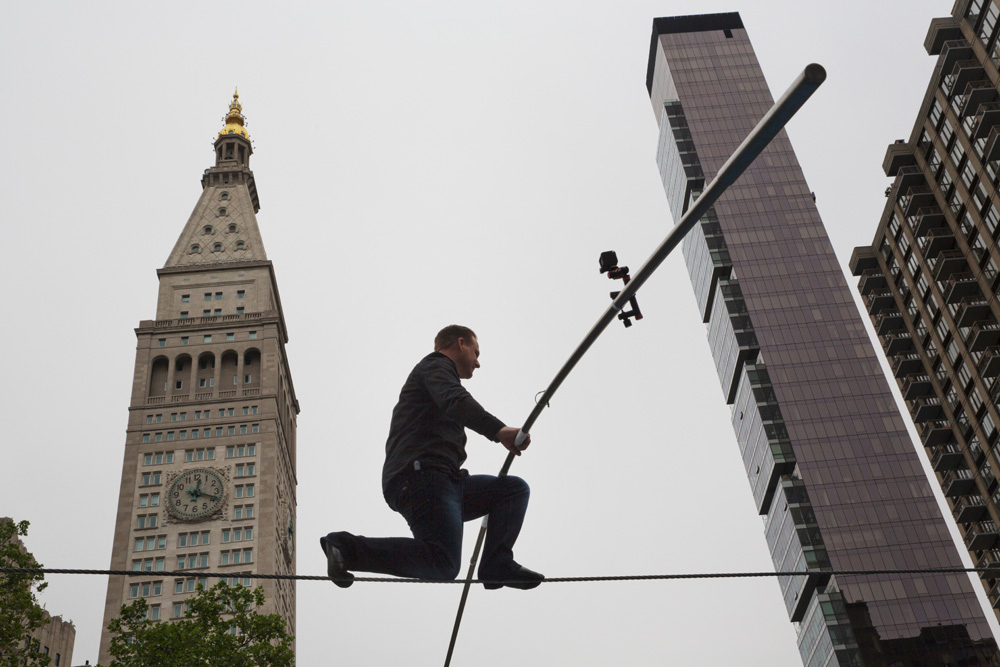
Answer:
[(196, 494)]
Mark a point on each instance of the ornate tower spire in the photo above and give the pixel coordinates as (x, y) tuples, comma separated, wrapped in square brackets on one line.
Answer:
[(235, 120), (223, 226)]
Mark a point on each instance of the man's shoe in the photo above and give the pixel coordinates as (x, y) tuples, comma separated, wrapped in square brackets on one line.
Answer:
[(336, 568), (520, 577)]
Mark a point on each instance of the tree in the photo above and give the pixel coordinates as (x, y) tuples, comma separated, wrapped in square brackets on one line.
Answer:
[(222, 627), (20, 614)]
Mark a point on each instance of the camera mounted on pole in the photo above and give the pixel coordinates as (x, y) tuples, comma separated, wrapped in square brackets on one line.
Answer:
[(609, 265)]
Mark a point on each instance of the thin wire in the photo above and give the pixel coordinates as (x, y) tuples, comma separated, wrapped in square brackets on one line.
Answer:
[(995, 571)]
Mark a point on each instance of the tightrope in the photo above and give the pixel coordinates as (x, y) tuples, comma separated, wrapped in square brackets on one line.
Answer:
[(548, 580)]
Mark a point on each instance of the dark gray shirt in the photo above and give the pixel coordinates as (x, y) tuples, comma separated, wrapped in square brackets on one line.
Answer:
[(428, 423)]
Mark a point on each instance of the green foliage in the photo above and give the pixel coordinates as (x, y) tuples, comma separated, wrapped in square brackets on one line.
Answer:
[(221, 628), (20, 614)]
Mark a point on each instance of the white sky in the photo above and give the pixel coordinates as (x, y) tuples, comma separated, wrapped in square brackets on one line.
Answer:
[(420, 164)]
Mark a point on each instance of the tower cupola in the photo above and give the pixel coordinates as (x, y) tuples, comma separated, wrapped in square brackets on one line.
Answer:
[(233, 140)]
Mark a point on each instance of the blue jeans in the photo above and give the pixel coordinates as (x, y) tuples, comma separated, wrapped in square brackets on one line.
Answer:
[(435, 505)]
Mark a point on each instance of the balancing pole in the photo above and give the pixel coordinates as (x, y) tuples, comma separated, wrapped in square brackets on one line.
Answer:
[(758, 139)]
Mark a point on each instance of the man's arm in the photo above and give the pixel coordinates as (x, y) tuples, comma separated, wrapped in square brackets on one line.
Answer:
[(442, 382)]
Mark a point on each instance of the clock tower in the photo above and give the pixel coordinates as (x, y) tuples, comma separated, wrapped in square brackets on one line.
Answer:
[(209, 475)]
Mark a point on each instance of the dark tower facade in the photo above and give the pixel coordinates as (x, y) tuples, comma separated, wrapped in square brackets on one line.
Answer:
[(930, 277), (831, 468), (209, 472)]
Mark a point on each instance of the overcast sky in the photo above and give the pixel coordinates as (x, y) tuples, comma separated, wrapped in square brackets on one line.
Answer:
[(418, 164)]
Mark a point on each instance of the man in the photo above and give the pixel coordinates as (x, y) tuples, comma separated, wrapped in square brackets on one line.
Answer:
[(422, 479)]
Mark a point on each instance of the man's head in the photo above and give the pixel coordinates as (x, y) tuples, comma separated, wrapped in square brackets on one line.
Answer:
[(459, 344)]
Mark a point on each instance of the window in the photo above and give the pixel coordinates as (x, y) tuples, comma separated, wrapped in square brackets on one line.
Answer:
[(208, 229), (158, 458), (244, 490), (208, 296), (179, 384), (232, 229), (218, 296), (222, 211), (224, 196), (237, 534), (207, 312), (208, 339), (195, 249), (162, 342), (149, 478), (154, 612), (185, 298), (244, 469), (253, 335), (243, 512), (230, 336), (236, 556), (248, 378), (240, 245), (184, 339), (255, 428), (217, 312), (241, 294), (217, 247), (146, 521), (154, 500), (200, 454), (145, 437), (240, 310)]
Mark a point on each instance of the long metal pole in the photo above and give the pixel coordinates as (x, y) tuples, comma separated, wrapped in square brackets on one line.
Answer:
[(758, 139)]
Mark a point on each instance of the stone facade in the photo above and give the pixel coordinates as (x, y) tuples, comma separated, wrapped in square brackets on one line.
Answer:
[(213, 402)]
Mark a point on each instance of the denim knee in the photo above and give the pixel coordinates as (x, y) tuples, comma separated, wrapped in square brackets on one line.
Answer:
[(515, 486)]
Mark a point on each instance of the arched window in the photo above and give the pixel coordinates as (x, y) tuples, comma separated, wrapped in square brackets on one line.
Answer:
[(196, 248), (222, 211), (208, 229), (224, 196), (217, 247), (240, 245), (232, 229)]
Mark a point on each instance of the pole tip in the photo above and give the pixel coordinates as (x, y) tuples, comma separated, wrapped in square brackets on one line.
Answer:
[(815, 73)]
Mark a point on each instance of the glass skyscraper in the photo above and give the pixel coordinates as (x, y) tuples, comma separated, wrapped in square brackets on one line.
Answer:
[(930, 277), (830, 465)]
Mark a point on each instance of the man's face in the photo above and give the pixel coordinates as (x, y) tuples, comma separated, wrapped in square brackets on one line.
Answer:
[(468, 357)]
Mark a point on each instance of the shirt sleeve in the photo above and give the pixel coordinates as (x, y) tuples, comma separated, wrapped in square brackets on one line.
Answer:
[(445, 388)]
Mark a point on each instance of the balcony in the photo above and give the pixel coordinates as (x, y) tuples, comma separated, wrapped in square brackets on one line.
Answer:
[(936, 433), (981, 536), (889, 322), (966, 71), (917, 386), (897, 343), (948, 263), (984, 335), (863, 259), (968, 509), (927, 218), (937, 241), (989, 365), (926, 409), (948, 457), (899, 155), (994, 596), (958, 483), (906, 364), (992, 150), (916, 198), (960, 286), (872, 279), (972, 309), (952, 52), (987, 118), (879, 300), (989, 561), (976, 94)]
